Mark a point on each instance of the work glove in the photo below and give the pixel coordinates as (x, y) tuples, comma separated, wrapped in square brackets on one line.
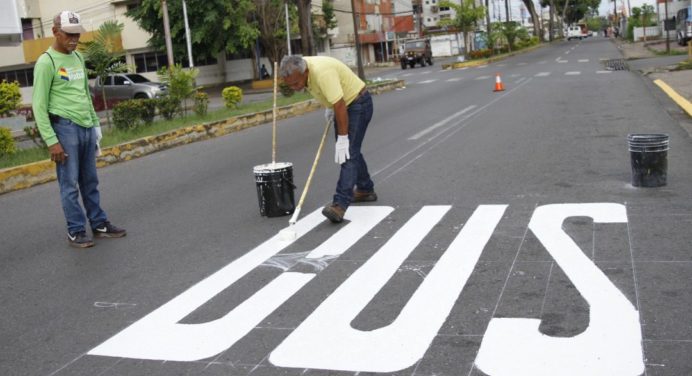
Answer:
[(341, 154), (99, 136), (329, 115)]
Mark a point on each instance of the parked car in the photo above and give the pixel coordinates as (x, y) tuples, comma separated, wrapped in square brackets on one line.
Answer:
[(683, 25), (416, 51), (123, 86)]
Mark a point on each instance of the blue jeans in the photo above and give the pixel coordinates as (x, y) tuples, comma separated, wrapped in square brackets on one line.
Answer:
[(77, 175), (354, 172)]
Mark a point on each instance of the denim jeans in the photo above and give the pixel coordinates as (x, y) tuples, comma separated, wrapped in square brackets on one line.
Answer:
[(77, 175), (354, 172)]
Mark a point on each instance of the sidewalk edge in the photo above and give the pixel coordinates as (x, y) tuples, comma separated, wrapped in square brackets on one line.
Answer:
[(677, 98)]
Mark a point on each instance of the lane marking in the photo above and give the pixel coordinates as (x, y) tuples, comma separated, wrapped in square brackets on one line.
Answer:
[(677, 98), (520, 80), (542, 62), (454, 79), (562, 61), (583, 60), (481, 78), (542, 74), (603, 71), (428, 81), (522, 63), (441, 123), (426, 72), (572, 73)]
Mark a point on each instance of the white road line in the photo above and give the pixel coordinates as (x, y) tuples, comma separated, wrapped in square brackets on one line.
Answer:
[(428, 81), (406, 74), (502, 65), (603, 71), (440, 123), (573, 73), (426, 72), (454, 79), (520, 80), (583, 60), (482, 78), (567, 53), (562, 61), (542, 74), (482, 66)]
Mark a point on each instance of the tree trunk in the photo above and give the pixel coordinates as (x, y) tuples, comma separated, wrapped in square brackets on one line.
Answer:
[(487, 20), (551, 22), (537, 27), (305, 21), (564, 16)]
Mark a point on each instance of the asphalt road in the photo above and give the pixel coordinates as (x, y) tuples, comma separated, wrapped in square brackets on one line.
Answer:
[(507, 240)]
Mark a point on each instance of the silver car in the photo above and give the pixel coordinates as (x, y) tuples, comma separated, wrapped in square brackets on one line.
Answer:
[(128, 86)]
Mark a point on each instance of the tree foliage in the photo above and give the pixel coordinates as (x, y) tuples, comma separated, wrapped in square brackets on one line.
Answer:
[(215, 25), (104, 54), (466, 17), (271, 22), (10, 97)]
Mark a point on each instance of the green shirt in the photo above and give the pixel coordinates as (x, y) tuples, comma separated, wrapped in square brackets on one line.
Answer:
[(63, 90)]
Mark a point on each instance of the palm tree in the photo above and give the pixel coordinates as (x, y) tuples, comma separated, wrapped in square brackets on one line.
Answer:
[(466, 16), (104, 54)]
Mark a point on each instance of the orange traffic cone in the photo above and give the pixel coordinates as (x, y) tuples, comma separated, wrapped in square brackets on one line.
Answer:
[(499, 86)]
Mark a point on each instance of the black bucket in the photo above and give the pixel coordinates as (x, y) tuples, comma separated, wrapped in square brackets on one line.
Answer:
[(649, 156), (275, 188)]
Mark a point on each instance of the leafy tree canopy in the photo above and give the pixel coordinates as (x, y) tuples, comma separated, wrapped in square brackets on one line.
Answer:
[(215, 25)]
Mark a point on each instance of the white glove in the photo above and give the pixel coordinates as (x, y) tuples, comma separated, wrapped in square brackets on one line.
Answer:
[(329, 115), (99, 136), (341, 154)]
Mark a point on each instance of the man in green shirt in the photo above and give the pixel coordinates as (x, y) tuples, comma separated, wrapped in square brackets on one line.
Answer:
[(68, 124)]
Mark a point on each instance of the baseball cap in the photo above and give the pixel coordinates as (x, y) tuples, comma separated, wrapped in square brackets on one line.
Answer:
[(70, 22)]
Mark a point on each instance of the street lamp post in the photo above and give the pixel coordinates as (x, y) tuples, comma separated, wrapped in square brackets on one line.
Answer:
[(187, 36), (288, 31)]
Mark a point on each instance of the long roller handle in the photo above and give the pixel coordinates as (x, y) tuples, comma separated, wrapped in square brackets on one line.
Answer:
[(276, 75), (294, 217)]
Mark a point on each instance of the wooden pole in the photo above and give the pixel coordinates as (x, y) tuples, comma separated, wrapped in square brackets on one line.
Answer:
[(276, 76)]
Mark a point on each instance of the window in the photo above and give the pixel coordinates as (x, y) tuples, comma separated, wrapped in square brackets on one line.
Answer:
[(444, 8), (118, 80), (25, 77), (150, 61)]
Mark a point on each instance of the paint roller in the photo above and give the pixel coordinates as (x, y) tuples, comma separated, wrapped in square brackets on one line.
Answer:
[(289, 233)]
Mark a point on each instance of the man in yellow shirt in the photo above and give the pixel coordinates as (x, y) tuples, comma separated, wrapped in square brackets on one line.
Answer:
[(348, 102)]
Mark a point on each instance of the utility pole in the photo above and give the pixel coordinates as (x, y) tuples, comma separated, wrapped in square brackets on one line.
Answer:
[(288, 31), (167, 34), (187, 36), (359, 60), (665, 23)]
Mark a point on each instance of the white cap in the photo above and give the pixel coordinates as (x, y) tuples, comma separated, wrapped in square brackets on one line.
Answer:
[(70, 22)]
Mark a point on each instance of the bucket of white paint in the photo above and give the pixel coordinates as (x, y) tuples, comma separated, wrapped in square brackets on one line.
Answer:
[(649, 156), (275, 187)]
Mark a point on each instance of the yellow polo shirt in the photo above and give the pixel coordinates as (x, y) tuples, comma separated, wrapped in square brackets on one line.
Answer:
[(330, 80)]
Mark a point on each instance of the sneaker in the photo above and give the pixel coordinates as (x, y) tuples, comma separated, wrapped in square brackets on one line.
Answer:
[(334, 213), (108, 230), (359, 196), (80, 239)]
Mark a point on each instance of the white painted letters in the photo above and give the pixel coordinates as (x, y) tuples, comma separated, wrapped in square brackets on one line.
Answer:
[(326, 339), (610, 346)]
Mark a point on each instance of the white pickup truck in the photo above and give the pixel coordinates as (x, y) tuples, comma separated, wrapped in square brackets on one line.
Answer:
[(575, 32)]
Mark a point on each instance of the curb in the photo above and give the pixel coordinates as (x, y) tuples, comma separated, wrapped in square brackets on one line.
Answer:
[(29, 175), (677, 98), (479, 62)]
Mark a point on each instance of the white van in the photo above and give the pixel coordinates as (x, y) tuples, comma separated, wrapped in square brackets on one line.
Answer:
[(574, 32)]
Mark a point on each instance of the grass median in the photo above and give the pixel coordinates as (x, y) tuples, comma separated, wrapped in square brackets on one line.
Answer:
[(116, 136)]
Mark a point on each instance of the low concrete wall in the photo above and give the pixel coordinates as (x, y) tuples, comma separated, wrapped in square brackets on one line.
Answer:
[(25, 176)]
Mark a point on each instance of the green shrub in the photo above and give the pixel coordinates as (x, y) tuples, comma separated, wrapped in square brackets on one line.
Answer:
[(35, 136), (480, 54), (10, 97), (148, 110), (128, 114), (232, 95), (201, 103), (7, 146), (168, 106)]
